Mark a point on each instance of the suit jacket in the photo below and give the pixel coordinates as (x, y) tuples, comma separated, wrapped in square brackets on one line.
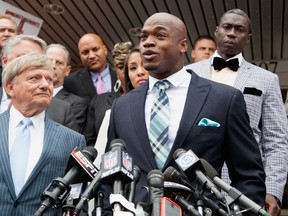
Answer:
[(233, 141), (80, 83), (78, 106), (98, 106), (59, 142), (267, 115), (61, 112)]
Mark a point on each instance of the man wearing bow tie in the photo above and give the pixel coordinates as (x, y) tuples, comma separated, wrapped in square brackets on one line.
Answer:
[(262, 96)]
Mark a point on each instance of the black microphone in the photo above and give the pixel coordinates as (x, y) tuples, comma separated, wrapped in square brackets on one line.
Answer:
[(232, 192), (155, 181), (191, 165), (58, 190), (117, 168), (188, 207), (88, 192), (171, 174), (132, 185)]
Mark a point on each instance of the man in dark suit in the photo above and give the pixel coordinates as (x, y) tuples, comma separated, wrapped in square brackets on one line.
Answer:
[(96, 72), (58, 110), (61, 64), (263, 99), (207, 117), (28, 80)]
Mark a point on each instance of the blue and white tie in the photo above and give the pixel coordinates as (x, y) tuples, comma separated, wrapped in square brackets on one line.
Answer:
[(159, 124), (20, 153)]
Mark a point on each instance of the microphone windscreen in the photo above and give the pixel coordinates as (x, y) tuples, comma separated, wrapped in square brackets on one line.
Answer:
[(90, 152), (155, 179), (209, 169), (172, 174), (178, 152), (118, 143)]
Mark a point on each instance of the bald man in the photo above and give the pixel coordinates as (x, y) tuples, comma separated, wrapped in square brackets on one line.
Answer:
[(204, 116), (85, 82)]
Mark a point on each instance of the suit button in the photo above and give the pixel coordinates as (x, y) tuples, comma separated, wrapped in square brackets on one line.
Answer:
[(15, 204)]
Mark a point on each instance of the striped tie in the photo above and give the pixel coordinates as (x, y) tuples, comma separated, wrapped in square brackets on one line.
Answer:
[(159, 124)]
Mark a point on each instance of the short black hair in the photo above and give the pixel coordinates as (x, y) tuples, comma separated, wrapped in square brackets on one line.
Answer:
[(201, 37), (240, 12)]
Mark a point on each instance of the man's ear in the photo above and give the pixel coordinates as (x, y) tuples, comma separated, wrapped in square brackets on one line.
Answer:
[(4, 61), (216, 31), (68, 69), (9, 89), (183, 45)]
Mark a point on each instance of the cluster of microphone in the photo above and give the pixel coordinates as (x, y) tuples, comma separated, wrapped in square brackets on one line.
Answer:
[(193, 188)]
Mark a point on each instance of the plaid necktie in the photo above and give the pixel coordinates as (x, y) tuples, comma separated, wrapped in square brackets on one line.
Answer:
[(159, 124), (20, 153)]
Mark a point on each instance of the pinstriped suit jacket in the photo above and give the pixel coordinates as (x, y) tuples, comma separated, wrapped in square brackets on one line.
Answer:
[(267, 118), (59, 142)]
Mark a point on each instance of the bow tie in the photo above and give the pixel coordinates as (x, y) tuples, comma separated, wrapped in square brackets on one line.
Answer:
[(219, 64)]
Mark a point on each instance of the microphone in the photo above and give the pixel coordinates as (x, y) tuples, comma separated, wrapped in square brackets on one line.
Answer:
[(186, 205), (117, 168), (155, 181), (173, 175), (191, 165), (132, 185), (88, 193), (196, 197), (79, 164), (232, 192)]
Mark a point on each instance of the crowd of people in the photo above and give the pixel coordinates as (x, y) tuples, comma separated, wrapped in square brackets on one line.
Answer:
[(148, 98)]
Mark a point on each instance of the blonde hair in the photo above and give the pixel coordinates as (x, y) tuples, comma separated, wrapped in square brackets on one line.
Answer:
[(8, 17), (120, 52)]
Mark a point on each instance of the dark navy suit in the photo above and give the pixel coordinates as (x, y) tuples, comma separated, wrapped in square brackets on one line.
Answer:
[(232, 142)]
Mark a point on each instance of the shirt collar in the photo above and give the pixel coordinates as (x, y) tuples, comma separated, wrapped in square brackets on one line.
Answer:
[(16, 117), (104, 73), (175, 79), (56, 90), (239, 57)]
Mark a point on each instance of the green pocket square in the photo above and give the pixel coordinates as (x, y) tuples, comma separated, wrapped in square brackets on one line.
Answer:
[(208, 122)]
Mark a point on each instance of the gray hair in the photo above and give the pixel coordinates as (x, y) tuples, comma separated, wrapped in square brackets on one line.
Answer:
[(25, 62), (64, 48), (12, 42)]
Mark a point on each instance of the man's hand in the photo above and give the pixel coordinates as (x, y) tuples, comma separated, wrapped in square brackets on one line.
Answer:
[(272, 206)]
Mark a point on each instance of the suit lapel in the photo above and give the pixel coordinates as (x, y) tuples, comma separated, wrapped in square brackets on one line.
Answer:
[(243, 75), (196, 96), (86, 80), (4, 152), (137, 104)]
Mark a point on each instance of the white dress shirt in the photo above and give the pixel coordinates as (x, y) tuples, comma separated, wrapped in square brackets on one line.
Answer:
[(177, 94), (36, 133), (225, 76)]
